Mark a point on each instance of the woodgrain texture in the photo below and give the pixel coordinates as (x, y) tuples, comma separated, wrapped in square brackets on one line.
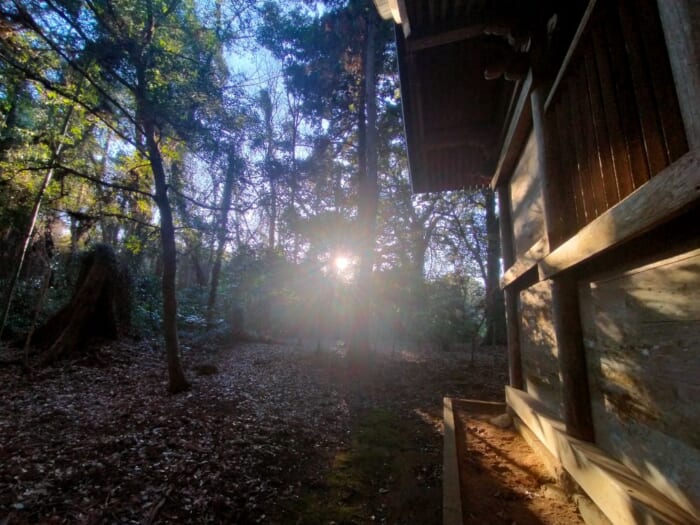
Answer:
[(526, 262), (451, 497), (616, 113), (564, 292), (516, 135), (680, 20), (642, 333), (624, 497), (538, 346), (515, 367), (527, 208), (668, 194)]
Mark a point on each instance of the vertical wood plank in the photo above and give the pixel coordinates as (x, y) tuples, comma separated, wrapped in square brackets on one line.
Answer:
[(567, 321), (515, 366), (600, 127), (563, 191), (590, 175), (625, 101), (595, 172), (656, 55), (680, 20), (554, 189), (657, 157), (583, 186), (567, 170), (572, 358), (616, 140)]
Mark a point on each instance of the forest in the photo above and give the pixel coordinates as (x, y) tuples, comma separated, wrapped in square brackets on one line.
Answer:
[(246, 165), (179, 176)]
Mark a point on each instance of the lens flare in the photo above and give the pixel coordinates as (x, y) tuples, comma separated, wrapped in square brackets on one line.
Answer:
[(341, 263)]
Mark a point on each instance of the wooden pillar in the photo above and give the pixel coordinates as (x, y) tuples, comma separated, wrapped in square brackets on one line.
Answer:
[(680, 20), (565, 307), (515, 366)]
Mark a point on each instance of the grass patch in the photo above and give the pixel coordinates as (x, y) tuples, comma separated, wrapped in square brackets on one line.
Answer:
[(362, 474)]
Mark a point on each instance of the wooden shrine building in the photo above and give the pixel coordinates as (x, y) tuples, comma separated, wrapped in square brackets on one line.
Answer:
[(584, 117)]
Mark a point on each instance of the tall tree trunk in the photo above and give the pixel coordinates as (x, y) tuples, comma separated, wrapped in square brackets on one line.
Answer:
[(368, 191), (495, 307), (55, 156), (176, 376), (294, 183), (221, 231), (270, 166), (12, 89), (273, 215)]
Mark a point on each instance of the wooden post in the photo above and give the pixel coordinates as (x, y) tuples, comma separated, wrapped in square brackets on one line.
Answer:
[(565, 308), (680, 20), (515, 366)]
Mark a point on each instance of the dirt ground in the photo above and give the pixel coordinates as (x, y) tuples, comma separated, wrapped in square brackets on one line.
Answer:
[(272, 434), (503, 481)]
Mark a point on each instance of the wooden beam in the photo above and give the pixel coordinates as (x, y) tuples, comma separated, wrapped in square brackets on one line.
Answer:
[(572, 49), (565, 312), (525, 263), (505, 221), (575, 392), (623, 496), (515, 361), (384, 9), (448, 37), (451, 488), (516, 136), (405, 22), (394, 10), (673, 191), (680, 20)]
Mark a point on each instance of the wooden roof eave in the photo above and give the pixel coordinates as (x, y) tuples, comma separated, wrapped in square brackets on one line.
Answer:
[(515, 137), (407, 90), (424, 144), (520, 122), (394, 10)]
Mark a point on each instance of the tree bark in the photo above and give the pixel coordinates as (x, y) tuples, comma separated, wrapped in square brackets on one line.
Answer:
[(55, 157), (100, 307), (221, 231), (368, 191), (176, 376), (293, 182), (495, 307)]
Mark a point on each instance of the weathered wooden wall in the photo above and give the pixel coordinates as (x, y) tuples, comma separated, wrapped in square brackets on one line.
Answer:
[(642, 335), (526, 201), (538, 346), (616, 111), (619, 143)]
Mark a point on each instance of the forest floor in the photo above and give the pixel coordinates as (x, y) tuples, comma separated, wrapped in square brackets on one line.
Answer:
[(267, 434)]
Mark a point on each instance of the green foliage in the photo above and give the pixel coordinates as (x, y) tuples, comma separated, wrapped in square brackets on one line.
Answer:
[(452, 313), (375, 459), (113, 65), (147, 316), (191, 307)]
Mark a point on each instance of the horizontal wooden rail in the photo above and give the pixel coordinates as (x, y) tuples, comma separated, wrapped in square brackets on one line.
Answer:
[(623, 496), (525, 263), (674, 190)]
